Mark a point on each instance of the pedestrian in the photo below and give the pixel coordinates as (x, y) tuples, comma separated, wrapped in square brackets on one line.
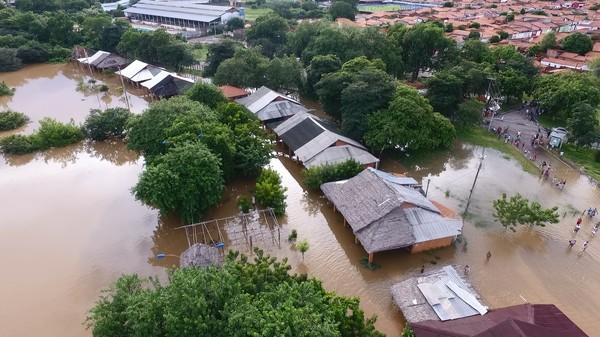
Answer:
[(467, 270), (572, 243), (577, 228), (422, 269), (488, 256), (579, 220), (597, 225), (594, 231), (585, 245)]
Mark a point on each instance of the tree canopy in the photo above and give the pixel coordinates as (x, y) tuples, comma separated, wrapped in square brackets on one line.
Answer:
[(583, 124), (577, 43), (408, 124), (242, 298), (517, 210)]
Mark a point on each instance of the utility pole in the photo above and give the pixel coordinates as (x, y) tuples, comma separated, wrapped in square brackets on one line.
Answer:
[(475, 180), (428, 181), (124, 90), (91, 75)]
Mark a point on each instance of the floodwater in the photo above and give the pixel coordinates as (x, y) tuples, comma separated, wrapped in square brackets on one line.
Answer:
[(59, 91), (69, 227)]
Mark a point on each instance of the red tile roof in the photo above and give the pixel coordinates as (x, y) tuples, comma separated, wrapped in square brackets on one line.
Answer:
[(232, 92), (525, 320)]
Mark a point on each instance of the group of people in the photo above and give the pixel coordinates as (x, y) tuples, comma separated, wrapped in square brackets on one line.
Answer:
[(591, 212), (556, 182)]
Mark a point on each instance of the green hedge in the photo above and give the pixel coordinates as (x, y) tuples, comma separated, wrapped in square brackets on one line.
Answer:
[(314, 177), (51, 133), (10, 120)]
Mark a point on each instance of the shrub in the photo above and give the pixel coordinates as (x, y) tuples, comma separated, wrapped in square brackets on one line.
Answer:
[(110, 123), (5, 90), (53, 133), (16, 144), (314, 177), (269, 191), (293, 236), (495, 39), (9, 60), (244, 203), (10, 120)]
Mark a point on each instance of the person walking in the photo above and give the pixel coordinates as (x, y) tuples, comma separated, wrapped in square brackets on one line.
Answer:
[(577, 228), (585, 245), (572, 243), (488, 256), (467, 270), (579, 220), (422, 269)]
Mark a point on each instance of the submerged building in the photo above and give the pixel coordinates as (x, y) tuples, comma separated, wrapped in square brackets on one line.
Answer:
[(386, 213)]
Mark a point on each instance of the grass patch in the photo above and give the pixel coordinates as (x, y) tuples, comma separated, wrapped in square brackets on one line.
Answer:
[(583, 157), (200, 52), (481, 137), (252, 14)]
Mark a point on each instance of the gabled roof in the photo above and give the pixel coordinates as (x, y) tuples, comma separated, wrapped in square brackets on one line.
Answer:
[(146, 74), (94, 59), (261, 98), (232, 92), (161, 76), (339, 154), (385, 215), (525, 320), (132, 69), (279, 109)]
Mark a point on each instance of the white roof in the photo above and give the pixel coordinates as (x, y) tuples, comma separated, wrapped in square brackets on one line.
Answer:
[(132, 69), (428, 225), (261, 98), (146, 74), (339, 154), (98, 55), (160, 77), (320, 143)]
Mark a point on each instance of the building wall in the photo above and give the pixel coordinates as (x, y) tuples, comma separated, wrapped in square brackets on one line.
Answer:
[(433, 244)]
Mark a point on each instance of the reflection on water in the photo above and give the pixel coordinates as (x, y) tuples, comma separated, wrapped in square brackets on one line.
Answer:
[(51, 90)]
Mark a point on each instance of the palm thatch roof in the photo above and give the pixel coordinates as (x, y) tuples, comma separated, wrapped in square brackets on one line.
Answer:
[(201, 255), (384, 214)]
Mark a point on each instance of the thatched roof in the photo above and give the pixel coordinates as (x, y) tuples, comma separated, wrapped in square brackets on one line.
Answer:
[(384, 214), (201, 255), (441, 294)]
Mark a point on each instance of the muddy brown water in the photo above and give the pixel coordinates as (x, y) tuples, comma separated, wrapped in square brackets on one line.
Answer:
[(69, 226)]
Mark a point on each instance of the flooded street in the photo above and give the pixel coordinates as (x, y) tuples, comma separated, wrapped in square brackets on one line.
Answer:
[(69, 226)]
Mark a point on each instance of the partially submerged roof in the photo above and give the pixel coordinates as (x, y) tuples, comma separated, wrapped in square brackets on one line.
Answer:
[(132, 69), (161, 76), (261, 98), (146, 74), (94, 59), (166, 84), (339, 154), (386, 215), (442, 294), (279, 109), (201, 255), (525, 320)]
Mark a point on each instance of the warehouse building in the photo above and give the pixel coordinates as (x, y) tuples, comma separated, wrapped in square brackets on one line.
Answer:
[(188, 15)]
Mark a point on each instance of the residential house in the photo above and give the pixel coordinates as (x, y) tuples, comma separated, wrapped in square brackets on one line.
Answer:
[(233, 93), (138, 72), (167, 84), (103, 60), (387, 215), (270, 106)]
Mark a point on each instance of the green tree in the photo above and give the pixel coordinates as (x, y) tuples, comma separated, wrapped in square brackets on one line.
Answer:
[(187, 180), (445, 92), (206, 94), (474, 35), (516, 210), (235, 23), (60, 29), (9, 60), (475, 51), (425, 47), (342, 9), (247, 68), (110, 123), (408, 124), (246, 297), (93, 27), (559, 93), (583, 124), (548, 41), (469, 113), (513, 84), (302, 247), (269, 191), (594, 66), (147, 132), (319, 66), (284, 74), (217, 53), (577, 43), (269, 32), (316, 176)]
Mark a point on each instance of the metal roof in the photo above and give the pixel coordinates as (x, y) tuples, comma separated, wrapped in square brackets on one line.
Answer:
[(162, 75), (94, 59), (261, 98), (146, 74), (279, 109), (132, 69), (340, 154), (302, 133), (442, 294), (396, 179), (428, 225), (184, 10)]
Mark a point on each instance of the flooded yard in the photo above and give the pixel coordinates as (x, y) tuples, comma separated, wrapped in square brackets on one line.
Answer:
[(69, 226)]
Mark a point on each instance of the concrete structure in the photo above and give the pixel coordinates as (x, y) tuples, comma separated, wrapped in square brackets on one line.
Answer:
[(439, 295), (385, 214), (186, 15)]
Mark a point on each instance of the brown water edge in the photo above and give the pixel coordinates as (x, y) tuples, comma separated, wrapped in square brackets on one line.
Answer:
[(52, 90)]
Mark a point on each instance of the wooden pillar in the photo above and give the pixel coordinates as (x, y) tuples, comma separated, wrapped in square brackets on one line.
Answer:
[(371, 258)]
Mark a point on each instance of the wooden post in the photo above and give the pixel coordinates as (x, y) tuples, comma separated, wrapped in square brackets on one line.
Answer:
[(355, 239), (371, 258)]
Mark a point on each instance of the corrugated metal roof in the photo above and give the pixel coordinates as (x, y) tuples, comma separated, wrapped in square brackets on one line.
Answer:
[(449, 297), (261, 98), (340, 154), (429, 225), (132, 69), (279, 109), (322, 142), (146, 74), (172, 14), (302, 133), (162, 75), (394, 179), (97, 57)]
